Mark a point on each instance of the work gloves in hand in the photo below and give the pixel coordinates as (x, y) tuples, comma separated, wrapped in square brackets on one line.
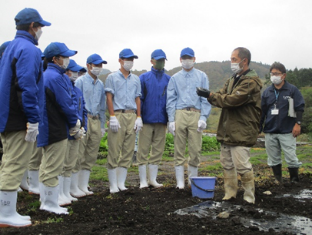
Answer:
[(74, 130), (201, 125), (138, 124), (202, 92), (172, 128), (32, 132), (114, 124)]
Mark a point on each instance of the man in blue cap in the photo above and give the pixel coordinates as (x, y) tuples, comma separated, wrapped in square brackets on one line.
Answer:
[(21, 100), (94, 95), (59, 119), (153, 111), (123, 91), (187, 113), (72, 162)]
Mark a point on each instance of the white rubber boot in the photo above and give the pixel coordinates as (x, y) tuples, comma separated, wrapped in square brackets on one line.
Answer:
[(49, 199), (33, 179), (153, 171), (121, 178), (74, 189), (66, 189), (24, 183), (62, 200), (8, 215), (248, 184), (83, 181), (142, 175), (192, 172), (112, 177), (230, 184), (179, 170)]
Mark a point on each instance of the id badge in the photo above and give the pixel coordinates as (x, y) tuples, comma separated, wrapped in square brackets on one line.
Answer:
[(274, 112)]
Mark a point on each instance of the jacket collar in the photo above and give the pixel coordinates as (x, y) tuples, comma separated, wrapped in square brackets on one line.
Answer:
[(56, 67), (156, 71), (24, 34)]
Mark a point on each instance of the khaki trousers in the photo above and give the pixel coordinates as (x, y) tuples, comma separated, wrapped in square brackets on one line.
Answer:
[(70, 157), (76, 168), (89, 145), (152, 137), (15, 159), (121, 144), (186, 125), (35, 159), (52, 163), (235, 157)]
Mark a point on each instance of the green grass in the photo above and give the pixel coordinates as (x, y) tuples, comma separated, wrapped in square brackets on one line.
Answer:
[(102, 161), (53, 220), (216, 166), (99, 173)]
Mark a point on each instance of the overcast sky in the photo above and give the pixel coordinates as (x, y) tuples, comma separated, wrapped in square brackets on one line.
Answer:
[(273, 30)]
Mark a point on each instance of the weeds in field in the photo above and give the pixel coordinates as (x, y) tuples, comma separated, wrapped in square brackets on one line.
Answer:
[(53, 220)]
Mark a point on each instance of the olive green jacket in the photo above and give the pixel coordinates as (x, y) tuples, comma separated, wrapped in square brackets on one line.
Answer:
[(241, 110)]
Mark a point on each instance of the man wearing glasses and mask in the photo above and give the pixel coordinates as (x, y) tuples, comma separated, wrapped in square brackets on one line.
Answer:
[(282, 106)]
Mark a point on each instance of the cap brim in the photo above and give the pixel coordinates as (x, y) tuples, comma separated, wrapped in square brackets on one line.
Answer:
[(83, 70), (45, 23), (68, 53), (99, 62), (76, 68), (131, 56), (159, 57), (187, 54)]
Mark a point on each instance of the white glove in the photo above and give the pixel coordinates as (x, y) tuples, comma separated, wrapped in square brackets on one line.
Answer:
[(102, 131), (79, 135), (201, 125), (32, 132), (138, 124), (172, 128), (73, 131), (114, 124), (83, 131)]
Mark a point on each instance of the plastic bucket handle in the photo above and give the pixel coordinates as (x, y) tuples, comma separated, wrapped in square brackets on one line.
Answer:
[(206, 190)]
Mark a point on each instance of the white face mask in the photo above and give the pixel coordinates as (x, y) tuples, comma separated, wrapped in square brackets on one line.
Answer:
[(236, 68), (187, 64), (65, 63), (276, 80), (96, 70), (38, 34), (128, 65), (74, 76)]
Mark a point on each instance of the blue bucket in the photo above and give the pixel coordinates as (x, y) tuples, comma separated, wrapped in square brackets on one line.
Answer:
[(203, 187)]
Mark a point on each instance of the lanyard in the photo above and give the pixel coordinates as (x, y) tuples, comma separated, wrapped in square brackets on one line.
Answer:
[(276, 95)]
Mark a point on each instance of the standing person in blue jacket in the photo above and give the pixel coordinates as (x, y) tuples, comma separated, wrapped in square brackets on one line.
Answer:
[(281, 127), (70, 187), (21, 95), (93, 92), (59, 118), (187, 113), (153, 112), (123, 90)]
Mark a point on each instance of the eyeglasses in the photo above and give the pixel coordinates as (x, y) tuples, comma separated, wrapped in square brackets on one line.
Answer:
[(275, 74)]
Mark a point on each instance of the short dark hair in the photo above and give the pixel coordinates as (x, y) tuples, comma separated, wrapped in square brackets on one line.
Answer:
[(25, 27), (243, 53), (279, 66)]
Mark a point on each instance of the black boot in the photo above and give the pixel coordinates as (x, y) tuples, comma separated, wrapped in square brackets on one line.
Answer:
[(277, 171), (293, 172)]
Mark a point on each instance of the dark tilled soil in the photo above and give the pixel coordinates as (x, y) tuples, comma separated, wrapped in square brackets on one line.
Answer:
[(151, 211)]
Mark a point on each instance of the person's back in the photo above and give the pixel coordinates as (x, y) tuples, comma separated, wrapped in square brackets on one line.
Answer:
[(19, 67)]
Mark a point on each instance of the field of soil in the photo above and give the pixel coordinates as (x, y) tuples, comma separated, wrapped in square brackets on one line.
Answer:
[(153, 211)]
